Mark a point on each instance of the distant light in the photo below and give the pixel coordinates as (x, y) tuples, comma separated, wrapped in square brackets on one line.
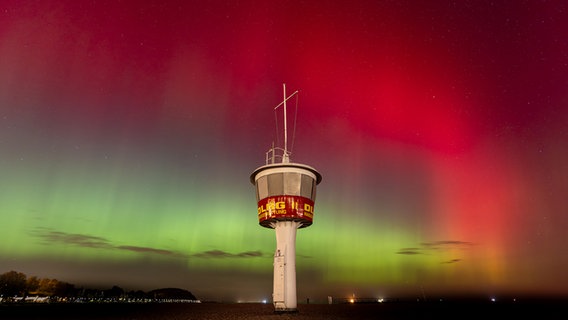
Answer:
[(493, 299), (352, 300), (264, 301), (380, 300)]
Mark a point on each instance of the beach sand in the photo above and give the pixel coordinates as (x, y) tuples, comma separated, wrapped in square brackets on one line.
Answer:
[(219, 311)]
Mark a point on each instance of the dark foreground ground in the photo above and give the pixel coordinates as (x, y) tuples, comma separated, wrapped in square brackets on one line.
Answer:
[(218, 311)]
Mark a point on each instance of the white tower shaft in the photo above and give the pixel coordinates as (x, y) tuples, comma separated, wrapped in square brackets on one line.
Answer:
[(284, 290)]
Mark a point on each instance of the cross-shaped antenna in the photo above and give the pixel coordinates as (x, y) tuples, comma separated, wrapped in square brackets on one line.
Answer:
[(285, 156)]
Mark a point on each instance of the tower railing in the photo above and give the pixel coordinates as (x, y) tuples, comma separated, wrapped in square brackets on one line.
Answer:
[(277, 155)]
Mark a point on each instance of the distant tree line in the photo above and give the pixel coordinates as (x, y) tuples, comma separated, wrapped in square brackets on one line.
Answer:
[(17, 284), (14, 283)]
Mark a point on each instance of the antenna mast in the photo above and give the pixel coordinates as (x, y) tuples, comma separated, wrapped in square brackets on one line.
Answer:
[(285, 126), (285, 158)]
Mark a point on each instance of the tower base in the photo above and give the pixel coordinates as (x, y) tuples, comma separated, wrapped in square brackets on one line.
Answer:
[(285, 310)]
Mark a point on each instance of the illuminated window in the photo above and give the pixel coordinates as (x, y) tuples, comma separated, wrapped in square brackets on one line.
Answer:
[(307, 187), (275, 184), (287, 183), (314, 190), (292, 183), (262, 188)]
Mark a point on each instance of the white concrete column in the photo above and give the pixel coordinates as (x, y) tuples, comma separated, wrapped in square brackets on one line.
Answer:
[(284, 290)]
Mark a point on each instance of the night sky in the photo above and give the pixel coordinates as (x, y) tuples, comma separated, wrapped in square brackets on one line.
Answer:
[(129, 130)]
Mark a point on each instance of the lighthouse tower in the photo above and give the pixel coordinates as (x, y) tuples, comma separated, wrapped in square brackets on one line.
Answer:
[(286, 193)]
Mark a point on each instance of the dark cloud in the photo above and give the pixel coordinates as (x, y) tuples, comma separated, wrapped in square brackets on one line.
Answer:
[(436, 245), (49, 236), (151, 250), (250, 254), (451, 261), (445, 244), (81, 240), (409, 251), (213, 254), (224, 254)]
